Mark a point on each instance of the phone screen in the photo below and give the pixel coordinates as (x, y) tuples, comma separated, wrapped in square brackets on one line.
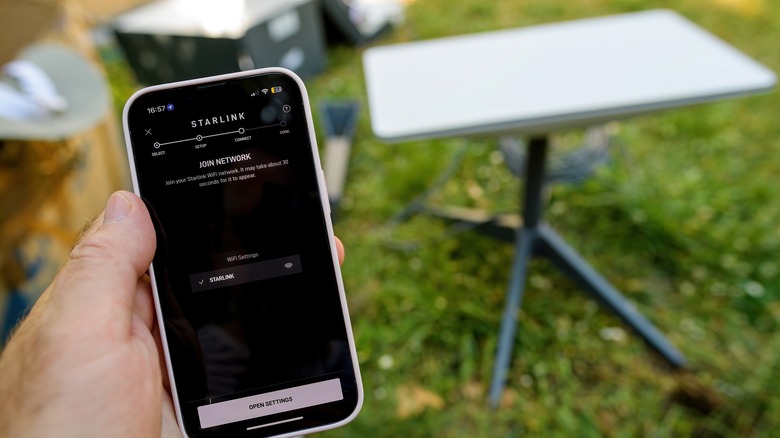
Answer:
[(254, 317)]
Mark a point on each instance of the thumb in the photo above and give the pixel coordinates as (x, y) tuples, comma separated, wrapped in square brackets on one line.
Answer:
[(99, 281)]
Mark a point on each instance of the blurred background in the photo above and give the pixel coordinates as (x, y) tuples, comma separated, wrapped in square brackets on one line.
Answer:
[(683, 217)]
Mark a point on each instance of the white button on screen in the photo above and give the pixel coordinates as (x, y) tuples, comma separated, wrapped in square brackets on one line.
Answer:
[(270, 403)]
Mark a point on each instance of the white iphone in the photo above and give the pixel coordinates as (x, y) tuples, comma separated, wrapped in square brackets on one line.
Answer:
[(250, 300)]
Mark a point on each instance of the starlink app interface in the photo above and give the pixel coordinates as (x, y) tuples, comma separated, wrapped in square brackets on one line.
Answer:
[(253, 317)]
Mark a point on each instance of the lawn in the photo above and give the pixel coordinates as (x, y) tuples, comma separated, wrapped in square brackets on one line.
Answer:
[(683, 220)]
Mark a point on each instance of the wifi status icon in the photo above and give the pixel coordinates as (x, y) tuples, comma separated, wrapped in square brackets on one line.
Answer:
[(264, 90)]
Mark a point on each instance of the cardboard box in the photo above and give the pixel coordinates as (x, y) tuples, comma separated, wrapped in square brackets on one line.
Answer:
[(170, 40)]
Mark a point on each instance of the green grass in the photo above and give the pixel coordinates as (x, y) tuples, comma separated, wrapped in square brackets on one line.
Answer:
[(683, 220)]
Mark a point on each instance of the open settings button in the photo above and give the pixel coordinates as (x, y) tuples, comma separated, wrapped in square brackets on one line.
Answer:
[(270, 403)]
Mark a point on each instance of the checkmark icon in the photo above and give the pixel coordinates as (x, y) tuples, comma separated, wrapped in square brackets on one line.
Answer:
[(201, 282)]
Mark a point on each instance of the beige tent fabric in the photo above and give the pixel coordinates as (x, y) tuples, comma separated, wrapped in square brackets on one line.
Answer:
[(50, 189), (22, 22)]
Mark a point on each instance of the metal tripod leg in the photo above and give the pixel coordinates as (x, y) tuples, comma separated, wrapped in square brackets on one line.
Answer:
[(514, 296), (559, 252)]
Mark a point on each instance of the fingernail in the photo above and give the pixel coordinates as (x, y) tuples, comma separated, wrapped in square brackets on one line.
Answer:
[(117, 209)]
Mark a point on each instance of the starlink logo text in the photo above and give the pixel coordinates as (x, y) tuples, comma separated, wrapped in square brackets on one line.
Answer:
[(218, 120)]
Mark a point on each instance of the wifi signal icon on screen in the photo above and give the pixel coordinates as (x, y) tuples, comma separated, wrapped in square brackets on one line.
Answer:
[(264, 90)]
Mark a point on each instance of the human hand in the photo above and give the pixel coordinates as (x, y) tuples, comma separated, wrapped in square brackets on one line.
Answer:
[(84, 362), (87, 359)]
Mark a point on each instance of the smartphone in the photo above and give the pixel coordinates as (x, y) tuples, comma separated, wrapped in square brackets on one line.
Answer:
[(250, 301)]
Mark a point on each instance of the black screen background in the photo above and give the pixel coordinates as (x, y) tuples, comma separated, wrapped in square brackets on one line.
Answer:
[(256, 337)]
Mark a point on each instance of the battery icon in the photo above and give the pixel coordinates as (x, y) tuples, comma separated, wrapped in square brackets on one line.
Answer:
[(275, 90)]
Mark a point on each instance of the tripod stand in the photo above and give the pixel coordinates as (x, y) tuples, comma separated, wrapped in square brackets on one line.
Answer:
[(535, 238)]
